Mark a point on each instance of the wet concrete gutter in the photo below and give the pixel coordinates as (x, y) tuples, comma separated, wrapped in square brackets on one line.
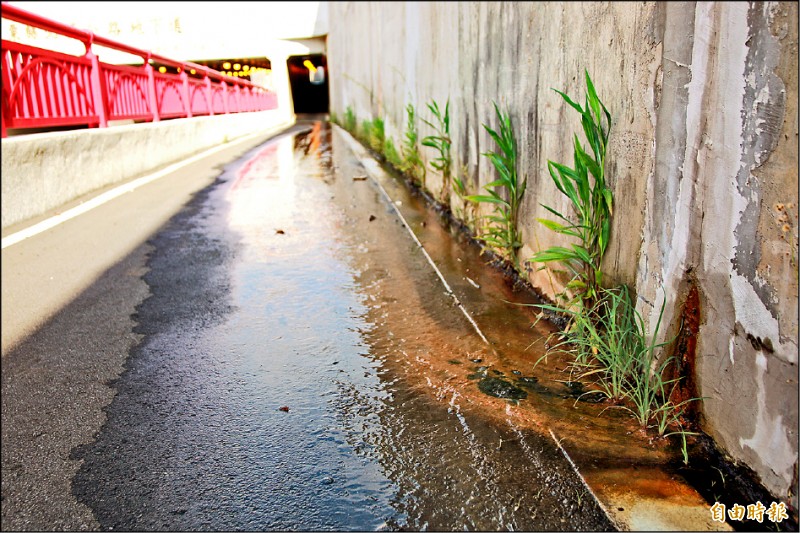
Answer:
[(636, 488)]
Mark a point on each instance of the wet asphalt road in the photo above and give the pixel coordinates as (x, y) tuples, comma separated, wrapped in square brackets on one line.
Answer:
[(265, 384)]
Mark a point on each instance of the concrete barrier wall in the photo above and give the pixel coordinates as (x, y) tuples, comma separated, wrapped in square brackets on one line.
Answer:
[(702, 160), (43, 171)]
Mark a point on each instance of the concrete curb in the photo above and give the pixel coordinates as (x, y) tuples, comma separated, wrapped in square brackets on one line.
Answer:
[(611, 517), (43, 171), (132, 185)]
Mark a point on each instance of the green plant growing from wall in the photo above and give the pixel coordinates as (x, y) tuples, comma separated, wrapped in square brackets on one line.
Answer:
[(364, 131), (591, 199), (609, 345), (373, 134), (391, 154), (606, 336), (467, 208), (505, 193), (441, 142), (377, 135), (604, 345), (412, 161), (350, 120)]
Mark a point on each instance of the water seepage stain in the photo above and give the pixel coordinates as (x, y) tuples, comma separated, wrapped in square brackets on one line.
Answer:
[(500, 388), (686, 356)]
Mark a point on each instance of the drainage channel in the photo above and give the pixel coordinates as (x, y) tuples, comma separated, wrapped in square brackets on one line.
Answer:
[(637, 483)]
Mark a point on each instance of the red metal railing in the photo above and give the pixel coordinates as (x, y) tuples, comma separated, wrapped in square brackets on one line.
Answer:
[(43, 88)]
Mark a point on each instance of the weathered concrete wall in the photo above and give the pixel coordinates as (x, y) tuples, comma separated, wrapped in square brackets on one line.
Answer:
[(726, 152), (702, 160), (511, 53), (43, 171)]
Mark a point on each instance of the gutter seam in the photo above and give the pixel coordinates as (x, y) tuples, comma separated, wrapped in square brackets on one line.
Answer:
[(369, 165)]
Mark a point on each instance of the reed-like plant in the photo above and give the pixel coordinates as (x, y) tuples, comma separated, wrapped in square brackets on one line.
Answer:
[(373, 134), (500, 230), (646, 383), (603, 343), (590, 198), (365, 131), (350, 120), (608, 344), (465, 211), (606, 334), (441, 142), (412, 161), (649, 391), (391, 154), (377, 136)]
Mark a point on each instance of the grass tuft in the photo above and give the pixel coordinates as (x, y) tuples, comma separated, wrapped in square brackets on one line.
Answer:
[(412, 161), (441, 142), (608, 346), (591, 199), (500, 230), (350, 120)]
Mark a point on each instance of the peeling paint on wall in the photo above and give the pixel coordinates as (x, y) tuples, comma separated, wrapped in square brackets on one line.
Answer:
[(769, 438)]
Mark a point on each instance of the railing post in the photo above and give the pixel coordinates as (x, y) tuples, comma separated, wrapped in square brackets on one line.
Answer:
[(225, 106), (209, 95), (151, 86), (6, 91), (238, 96), (186, 102), (99, 97)]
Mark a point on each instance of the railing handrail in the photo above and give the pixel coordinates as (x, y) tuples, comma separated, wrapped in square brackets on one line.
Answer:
[(88, 38), (43, 88)]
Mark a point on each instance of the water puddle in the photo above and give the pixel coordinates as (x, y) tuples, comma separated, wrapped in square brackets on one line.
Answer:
[(339, 319)]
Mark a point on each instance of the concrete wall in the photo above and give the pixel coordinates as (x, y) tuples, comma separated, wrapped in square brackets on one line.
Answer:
[(43, 171), (702, 160)]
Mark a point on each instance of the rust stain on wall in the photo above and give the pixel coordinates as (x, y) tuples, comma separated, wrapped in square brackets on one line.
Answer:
[(685, 367)]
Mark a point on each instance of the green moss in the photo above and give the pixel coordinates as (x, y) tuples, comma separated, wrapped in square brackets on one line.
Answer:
[(500, 388)]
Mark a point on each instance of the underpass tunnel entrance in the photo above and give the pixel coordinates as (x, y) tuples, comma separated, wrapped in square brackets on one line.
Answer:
[(308, 78)]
